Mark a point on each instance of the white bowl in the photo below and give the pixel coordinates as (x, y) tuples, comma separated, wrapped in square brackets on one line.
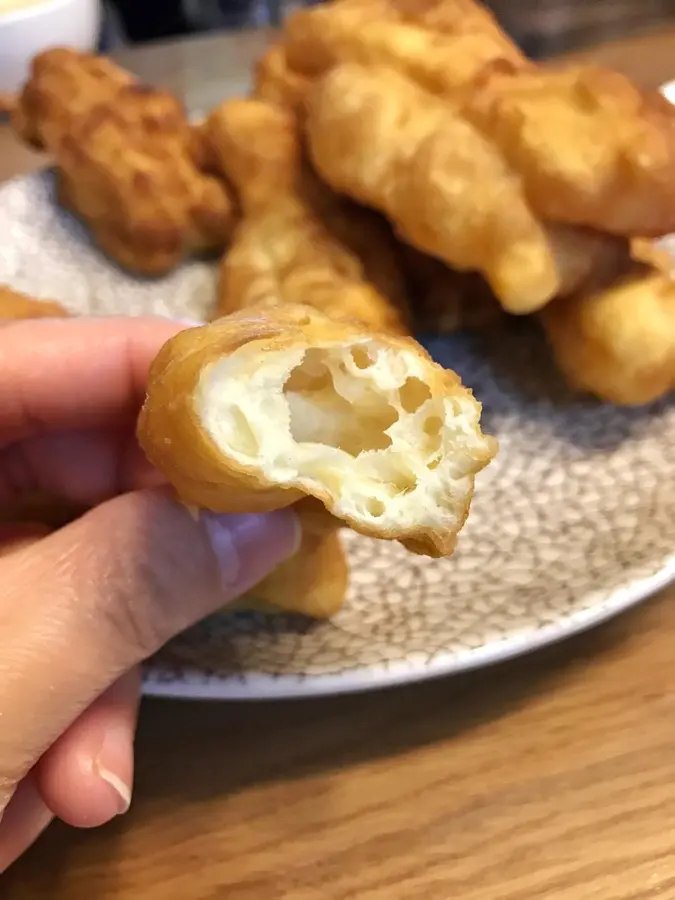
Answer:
[(27, 28), (668, 90)]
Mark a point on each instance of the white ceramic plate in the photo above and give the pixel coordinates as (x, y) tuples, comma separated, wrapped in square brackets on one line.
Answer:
[(571, 524)]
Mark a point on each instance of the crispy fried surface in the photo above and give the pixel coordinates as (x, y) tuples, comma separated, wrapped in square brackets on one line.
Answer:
[(276, 82), (127, 171), (204, 428), (441, 44), (313, 582), (15, 305), (381, 139), (298, 242), (62, 86), (128, 161), (618, 343), (428, 113), (590, 147)]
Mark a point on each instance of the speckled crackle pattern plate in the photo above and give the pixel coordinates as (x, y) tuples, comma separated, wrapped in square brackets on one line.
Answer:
[(573, 522)]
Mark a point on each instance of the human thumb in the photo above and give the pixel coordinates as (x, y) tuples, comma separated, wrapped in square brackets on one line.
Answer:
[(86, 603)]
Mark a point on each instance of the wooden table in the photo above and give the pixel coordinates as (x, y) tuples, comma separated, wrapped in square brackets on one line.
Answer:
[(513, 783)]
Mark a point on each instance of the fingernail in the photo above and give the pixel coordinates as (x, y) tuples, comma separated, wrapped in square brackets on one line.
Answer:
[(249, 547), (115, 747)]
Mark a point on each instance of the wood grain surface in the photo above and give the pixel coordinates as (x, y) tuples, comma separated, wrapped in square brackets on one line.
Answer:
[(549, 777)]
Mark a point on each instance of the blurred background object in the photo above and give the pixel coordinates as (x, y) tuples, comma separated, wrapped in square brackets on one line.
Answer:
[(547, 27), (541, 27), (27, 28), (145, 20)]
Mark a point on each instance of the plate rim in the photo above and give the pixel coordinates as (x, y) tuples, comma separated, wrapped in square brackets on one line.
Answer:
[(257, 686)]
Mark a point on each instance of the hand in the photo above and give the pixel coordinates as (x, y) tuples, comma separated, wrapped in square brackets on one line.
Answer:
[(81, 607)]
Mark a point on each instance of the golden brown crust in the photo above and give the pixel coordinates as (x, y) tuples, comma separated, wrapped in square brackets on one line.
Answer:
[(63, 85), (447, 188), (128, 161), (275, 82), (15, 305), (314, 581), (174, 439), (441, 44), (128, 173), (552, 160), (590, 147), (618, 342), (298, 242), (384, 141)]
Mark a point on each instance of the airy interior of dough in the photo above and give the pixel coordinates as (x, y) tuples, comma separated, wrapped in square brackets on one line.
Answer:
[(355, 419)]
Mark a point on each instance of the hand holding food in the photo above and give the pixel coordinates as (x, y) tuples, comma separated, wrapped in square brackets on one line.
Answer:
[(401, 164), (88, 602)]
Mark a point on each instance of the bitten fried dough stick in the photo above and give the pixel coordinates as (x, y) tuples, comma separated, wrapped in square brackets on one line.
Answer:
[(258, 410), (314, 581)]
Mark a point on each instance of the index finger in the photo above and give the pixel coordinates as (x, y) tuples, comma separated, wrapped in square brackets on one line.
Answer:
[(81, 373)]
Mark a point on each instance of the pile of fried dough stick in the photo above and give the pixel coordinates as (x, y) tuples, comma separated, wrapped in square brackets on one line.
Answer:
[(399, 165)]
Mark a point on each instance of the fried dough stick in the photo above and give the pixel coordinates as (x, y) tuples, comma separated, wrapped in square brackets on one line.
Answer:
[(590, 147), (275, 82), (314, 582), (146, 203), (267, 406), (618, 343), (384, 141), (298, 242), (63, 85), (279, 405), (441, 44), (16, 305), (128, 161)]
